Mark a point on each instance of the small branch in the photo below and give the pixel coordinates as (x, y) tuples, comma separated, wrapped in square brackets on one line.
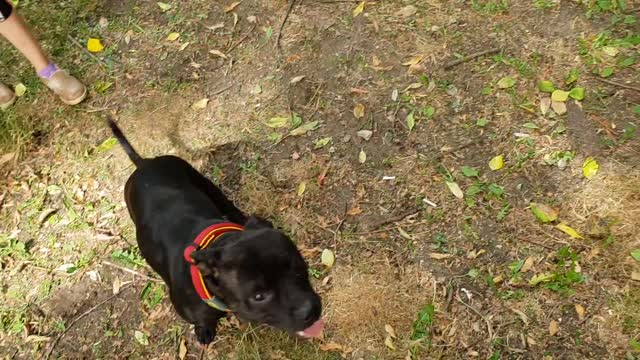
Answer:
[(284, 21), (241, 40), (489, 327), (57, 339), (392, 219), (131, 271), (100, 61), (624, 86), (222, 90), (471, 57)]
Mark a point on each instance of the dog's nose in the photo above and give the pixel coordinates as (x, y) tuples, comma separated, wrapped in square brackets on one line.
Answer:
[(306, 312)]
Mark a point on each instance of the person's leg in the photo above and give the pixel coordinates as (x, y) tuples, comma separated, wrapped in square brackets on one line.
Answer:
[(13, 28), (16, 31)]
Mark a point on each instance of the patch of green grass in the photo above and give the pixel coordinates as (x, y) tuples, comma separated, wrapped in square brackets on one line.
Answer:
[(421, 329), (545, 4), (12, 248), (565, 276), (152, 295), (128, 257), (13, 320), (492, 7)]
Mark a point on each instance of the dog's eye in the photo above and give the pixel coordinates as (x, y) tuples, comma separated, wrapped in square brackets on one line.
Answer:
[(260, 297)]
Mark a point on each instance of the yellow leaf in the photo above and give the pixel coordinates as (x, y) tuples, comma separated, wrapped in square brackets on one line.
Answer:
[(200, 104), (20, 89), (590, 168), (301, 188), (358, 111), (580, 311), (182, 349), (541, 278), (389, 343), (496, 163), (559, 96), (543, 212), (359, 9), (94, 45), (554, 327), (568, 230), (389, 329), (173, 36), (414, 60), (327, 258), (528, 264), (455, 189), (184, 46), (439, 256)]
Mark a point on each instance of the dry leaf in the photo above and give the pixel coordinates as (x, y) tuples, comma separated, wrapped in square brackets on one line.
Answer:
[(296, 79), (182, 349), (327, 258), (365, 134), (544, 212), (545, 105), (116, 286), (528, 264), (359, 91), (635, 275), (559, 107), (388, 342), (455, 189), (580, 311), (439, 256), (200, 104), (215, 26), (218, 53), (407, 11), (389, 329), (232, 7), (164, 6), (7, 157), (184, 46), (358, 111), (554, 327), (522, 316), (414, 60), (330, 347), (362, 157), (355, 211), (173, 36), (412, 87)]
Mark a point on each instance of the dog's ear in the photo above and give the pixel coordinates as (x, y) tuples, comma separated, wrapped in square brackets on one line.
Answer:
[(256, 222), (208, 261)]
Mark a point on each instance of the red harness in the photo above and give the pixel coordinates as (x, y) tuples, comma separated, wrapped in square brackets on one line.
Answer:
[(204, 239)]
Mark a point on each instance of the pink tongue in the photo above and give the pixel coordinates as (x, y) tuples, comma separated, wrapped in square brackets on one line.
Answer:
[(314, 330)]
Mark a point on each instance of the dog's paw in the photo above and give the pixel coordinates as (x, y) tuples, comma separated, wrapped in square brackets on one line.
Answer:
[(204, 335)]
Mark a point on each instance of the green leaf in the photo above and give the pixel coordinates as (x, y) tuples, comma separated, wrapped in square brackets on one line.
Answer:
[(428, 111), (577, 93), (636, 109), (606, 72), (531, 126), (411, 121), (572, 76), (506, 82), (626, 62), (141, 338), (470, 171), (303, 129), (320, 143), (164, 6), (541, 278), (482, 122), (544, 212), (486, 90), (269, 32), (559, 96), (278, 122), (107, 144), (636, 254), (546, 86), (635, 345)]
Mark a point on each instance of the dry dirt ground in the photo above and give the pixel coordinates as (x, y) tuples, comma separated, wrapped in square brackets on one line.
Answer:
[(361, 134)]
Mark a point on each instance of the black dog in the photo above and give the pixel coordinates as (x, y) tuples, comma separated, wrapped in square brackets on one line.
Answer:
[(211, 256)]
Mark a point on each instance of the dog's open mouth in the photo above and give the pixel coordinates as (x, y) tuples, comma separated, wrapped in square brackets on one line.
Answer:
[(312, 331)]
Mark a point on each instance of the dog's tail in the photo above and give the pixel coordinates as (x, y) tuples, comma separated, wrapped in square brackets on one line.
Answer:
[(133, 155)]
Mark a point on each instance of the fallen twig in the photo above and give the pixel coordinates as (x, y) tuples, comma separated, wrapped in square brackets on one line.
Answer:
[(284, 21), (489, 327), (392, 219), (75, 42), (222, 90), (241, 40), (59, 337), (131, 271), (624, 86), (471, 57)]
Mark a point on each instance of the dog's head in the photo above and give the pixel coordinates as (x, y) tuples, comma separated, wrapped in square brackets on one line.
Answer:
[(262, 277)]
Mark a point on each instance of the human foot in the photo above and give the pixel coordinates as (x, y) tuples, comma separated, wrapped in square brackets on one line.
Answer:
[(70, 90), (7, 97)]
